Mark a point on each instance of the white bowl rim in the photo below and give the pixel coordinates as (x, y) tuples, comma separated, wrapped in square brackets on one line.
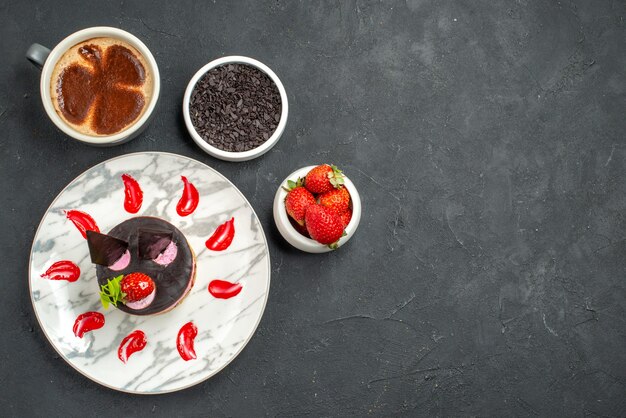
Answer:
[(229, 155), (294, 237), (83, 35)]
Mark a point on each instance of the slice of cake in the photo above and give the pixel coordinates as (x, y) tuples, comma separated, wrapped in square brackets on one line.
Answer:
[(144, 265)]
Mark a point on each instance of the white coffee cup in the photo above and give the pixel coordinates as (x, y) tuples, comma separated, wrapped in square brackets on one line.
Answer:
[(45, 59)]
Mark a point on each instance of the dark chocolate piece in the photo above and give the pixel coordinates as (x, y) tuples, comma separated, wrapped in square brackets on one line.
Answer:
[(152, 242), (171, 281), (104, 249)]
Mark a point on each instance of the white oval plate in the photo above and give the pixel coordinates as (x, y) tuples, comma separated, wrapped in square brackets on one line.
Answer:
[(224, 325)]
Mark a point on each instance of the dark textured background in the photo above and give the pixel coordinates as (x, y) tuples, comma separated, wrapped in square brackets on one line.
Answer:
[(487, 140)]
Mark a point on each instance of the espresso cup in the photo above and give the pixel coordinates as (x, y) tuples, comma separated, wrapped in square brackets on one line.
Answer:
[(47, 61)]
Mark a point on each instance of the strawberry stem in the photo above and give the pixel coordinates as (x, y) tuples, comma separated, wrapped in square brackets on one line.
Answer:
[(336, 177)]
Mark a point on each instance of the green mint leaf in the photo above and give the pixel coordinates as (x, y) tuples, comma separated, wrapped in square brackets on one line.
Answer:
[(111, 292), (105, 301)]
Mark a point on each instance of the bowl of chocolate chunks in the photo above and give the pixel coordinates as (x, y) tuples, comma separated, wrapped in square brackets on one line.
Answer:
[(235, 108)]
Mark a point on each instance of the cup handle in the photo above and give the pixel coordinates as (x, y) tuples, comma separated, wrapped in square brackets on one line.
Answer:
[(37, 54)]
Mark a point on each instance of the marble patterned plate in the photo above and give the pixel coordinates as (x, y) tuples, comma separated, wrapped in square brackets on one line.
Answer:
[(224, 325)]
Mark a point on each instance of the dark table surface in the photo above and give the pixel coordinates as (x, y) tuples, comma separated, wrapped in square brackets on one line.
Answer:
[(487, 140)]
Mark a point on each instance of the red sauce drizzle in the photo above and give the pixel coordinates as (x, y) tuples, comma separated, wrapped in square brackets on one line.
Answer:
[(133, 342), (62, 270), (222, 237), (184, 341), (189, 200), (222, 289), (83, 221), (86, 322), (133, 196)]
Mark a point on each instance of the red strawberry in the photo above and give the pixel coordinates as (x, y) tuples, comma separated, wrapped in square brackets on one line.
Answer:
[(297, 200), (346, 217), (323, 178), (323, 224), (300, 228), (336, 199), (128, 290), (136, 286)]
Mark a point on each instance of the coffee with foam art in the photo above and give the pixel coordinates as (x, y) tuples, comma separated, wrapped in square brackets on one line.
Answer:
[(101, 86)]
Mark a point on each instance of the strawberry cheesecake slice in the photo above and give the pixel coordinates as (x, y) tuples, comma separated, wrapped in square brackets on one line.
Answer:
[(144, 265)]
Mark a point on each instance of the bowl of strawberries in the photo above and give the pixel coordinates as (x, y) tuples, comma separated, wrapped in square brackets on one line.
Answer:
[(317, 208)]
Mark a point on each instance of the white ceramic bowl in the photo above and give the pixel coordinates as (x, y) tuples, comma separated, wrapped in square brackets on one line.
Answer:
[(57, 53), (244, 155), (294, 237)]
